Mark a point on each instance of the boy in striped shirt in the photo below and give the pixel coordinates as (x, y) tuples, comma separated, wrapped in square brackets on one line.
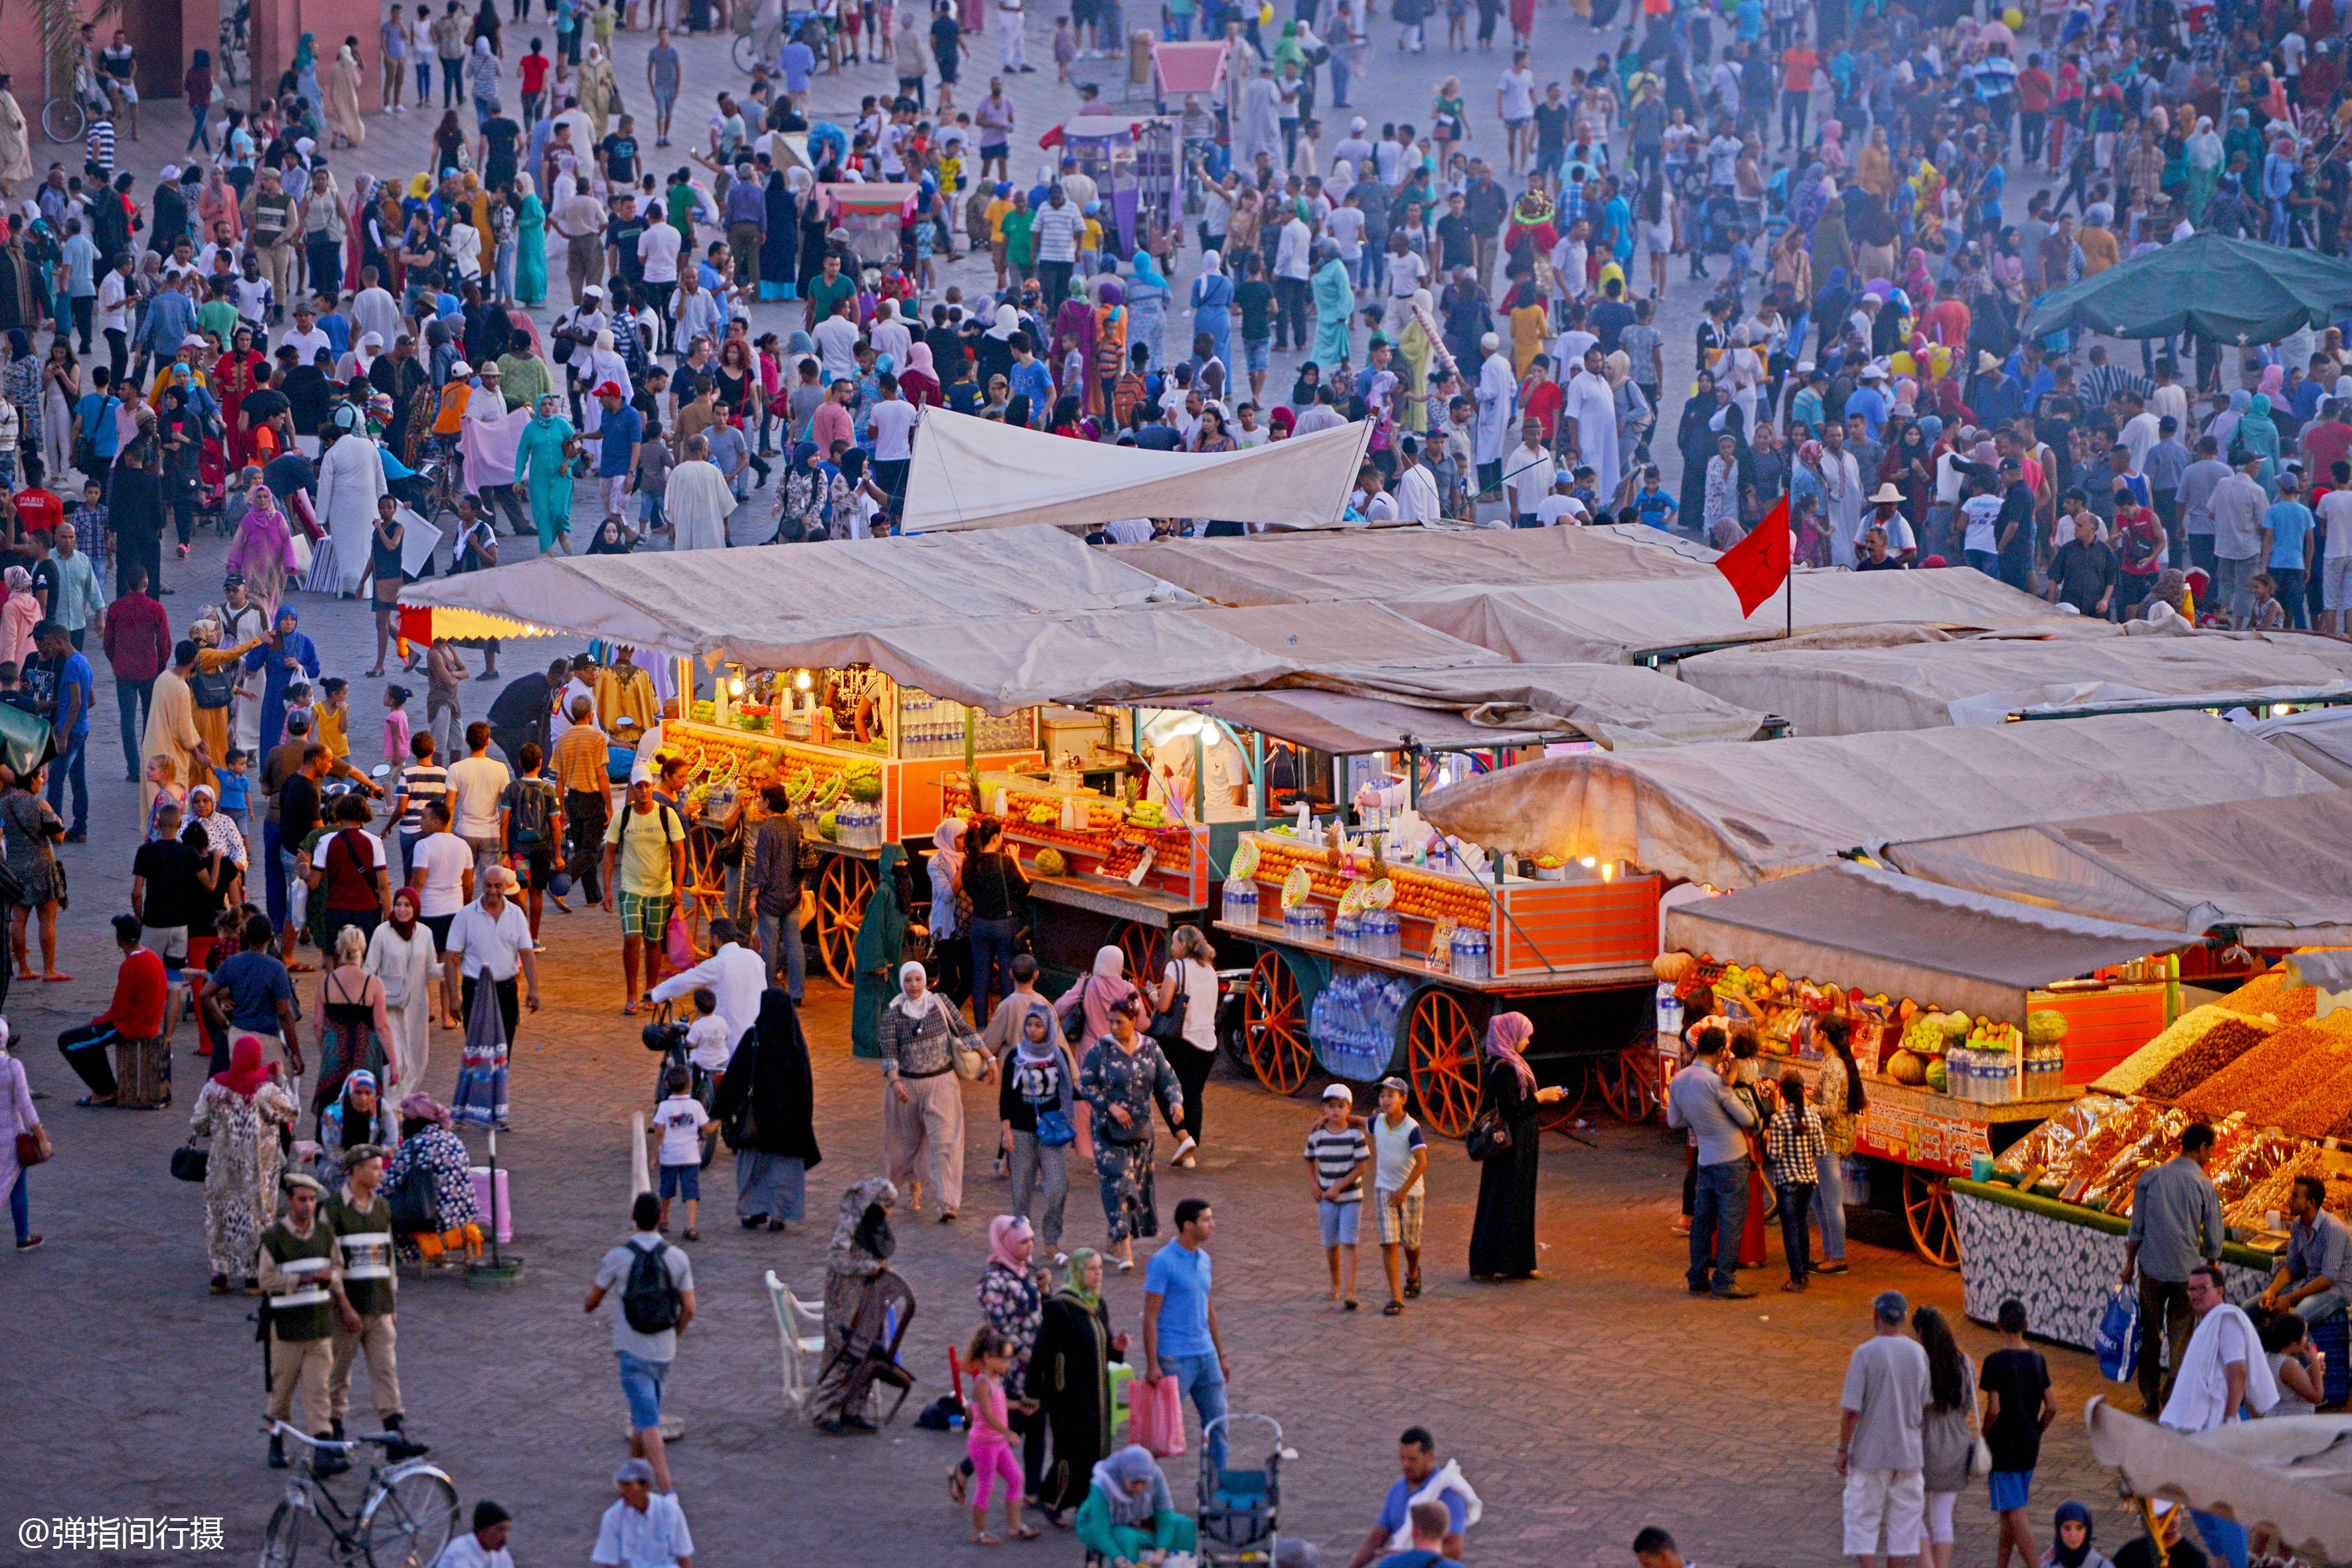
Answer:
[(1336, 1154)]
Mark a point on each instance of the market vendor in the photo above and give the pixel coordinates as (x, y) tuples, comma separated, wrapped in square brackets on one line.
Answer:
[(853, 711), (2312, 1274), (1397, 793), (1222, 778)]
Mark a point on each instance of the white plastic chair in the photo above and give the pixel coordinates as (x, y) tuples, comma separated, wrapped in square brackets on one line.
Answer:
[(791, 1313)]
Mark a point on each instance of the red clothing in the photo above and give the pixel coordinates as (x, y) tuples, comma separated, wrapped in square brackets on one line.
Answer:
[(534, 71), (1797, 67), (1542, 403), (138, 991), (2033, 89), (40, 511), (138, 638)]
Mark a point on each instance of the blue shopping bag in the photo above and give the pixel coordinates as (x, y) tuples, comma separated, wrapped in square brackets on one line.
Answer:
[(2118, 1336)]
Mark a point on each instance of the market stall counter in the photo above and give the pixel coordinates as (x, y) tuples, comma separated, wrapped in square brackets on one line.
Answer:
[(1961, 1009)]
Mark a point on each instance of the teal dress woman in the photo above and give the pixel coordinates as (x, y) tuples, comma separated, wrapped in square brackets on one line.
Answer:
[(531, 244), (881, 942), (543, 465), (306, 71), (1335, 301), (2260, 437)]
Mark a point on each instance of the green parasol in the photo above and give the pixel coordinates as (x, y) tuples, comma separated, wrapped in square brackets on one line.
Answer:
[(27, 742), (2208, 285)]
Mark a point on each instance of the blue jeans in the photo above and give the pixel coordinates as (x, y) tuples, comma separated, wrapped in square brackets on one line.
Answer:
[(69, 765), (2223, 1539), (786, 953), (2290, 581), (131, 700), (1718, 1213), (1204, 1379), (20, 1206), (2320, 1308), (991, 965), (273, 861), (1829, 1206), (201, 133), (1986, 561)]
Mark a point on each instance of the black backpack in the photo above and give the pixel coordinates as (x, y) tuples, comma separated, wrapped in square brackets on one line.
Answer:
[(532, 813), (650, 1300)]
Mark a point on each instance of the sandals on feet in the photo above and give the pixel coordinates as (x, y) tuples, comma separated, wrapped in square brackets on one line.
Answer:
[(1395, 1308)]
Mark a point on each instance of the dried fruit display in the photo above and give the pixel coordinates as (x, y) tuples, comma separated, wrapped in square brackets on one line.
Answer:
[(2244, 1156), (2215, 1048), (2271, 993), (2111, 1189), (2255, 1206), (2051, 1148), (2286, 1066), (2132, 1074)]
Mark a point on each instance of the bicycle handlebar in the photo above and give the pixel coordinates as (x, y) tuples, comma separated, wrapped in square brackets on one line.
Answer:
[(341, 1445)]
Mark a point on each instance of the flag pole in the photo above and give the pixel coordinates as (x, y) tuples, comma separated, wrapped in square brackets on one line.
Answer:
[(1789, 588)]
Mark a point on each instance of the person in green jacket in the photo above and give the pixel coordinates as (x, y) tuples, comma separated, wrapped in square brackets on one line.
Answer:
[(1128, 1511), (881, 942)]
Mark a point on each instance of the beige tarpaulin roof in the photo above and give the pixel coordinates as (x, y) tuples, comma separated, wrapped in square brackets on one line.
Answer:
[(1924, 685), (1381, 563), (1611, 622), (1883, 934), (2318, 738), (1357, 635), (1735, 814), (1374, 708), (2289, 1475), (2282, 868), (970, 473)]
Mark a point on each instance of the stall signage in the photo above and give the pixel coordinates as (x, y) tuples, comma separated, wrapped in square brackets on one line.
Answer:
[(1919, 1138)]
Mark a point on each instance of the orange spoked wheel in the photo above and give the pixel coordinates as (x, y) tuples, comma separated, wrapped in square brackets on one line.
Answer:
[(1629, 1080), (1273, 1026), (1142, 946), (1928, 1210), (842, 889), (1442, 1056)]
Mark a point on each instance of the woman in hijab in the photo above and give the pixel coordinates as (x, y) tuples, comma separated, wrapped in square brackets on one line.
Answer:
[(1809, 199), (1503, 1235), (234, 377), (530, 243), (856, 1276), (357, 1116), (780, 245), (216, 204), (1012, 1298), (1335, 301), (292, 653), (523, 375), (427, 1144), (1071, 356), (543, 461), (1148, 299), (2070, 1545), (1910, 466), (1069, 1377), (241, 1110), (2225, 424), (1035, 1104), (1096, 993), (592, 85), (918, 383), (1832, 248), (348, 127), (922, 1106), (1119, 1075), (1694, 438), (767, 1102), (2204, 157), (950, 944), (2258, 437), (1128, 1511), (1212, 306), (402, 958), (18, 616), (881, 940)]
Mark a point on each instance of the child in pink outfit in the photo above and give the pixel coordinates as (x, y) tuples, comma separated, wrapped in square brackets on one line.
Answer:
[(395, 727), (990, 1357)]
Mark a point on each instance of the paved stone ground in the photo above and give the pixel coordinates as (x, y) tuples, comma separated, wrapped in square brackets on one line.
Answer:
[(1583, 1407)]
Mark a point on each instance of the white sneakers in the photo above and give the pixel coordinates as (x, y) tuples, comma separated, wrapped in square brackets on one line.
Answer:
[(1182, 1156)]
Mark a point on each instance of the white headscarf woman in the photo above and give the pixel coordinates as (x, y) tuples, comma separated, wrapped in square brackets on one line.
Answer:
[(922, 1104)]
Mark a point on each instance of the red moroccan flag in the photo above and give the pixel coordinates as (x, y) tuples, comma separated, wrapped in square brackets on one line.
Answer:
[(1758, 564)]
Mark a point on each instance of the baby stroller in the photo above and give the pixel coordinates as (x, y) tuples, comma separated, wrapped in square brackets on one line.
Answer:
[(1241, 1511)]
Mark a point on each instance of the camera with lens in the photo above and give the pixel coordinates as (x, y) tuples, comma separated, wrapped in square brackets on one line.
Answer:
[(661, 1037)]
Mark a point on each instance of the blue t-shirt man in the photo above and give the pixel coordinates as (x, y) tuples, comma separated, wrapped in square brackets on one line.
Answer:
[(255, 984), (74, 675), (623, 428), (2289, 525), (1183, 1331), (1033, 381), (1179, 1277), (96, 413), (798, 60)]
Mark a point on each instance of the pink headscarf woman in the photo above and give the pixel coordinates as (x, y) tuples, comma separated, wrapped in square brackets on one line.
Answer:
[(18, 616), (1506, 1037), (264, 552)]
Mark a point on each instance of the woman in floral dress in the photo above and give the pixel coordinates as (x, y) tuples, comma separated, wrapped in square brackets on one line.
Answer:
[(241, 1110), (1122, 1073), (427, 1144)]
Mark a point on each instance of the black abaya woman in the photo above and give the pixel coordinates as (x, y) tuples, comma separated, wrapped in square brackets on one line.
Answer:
[(1503, 1235)]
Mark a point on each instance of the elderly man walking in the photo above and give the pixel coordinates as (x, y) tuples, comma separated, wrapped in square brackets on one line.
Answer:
[(2222, 1368), (2175, 1224), (1878, 1440)]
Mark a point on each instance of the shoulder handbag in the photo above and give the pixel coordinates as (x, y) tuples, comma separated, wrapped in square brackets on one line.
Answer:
[(1074, 1023), (1488, 1135), (963, 1046), (189, 1161), (33, 1146), (1168, 1024)]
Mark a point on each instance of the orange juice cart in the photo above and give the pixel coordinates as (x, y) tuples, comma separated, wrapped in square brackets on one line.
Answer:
[(1972, 1018)]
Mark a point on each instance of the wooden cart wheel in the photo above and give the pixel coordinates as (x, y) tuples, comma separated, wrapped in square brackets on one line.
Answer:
[(1140, 943), (1273, 1026), (1928, 1210), (842, 889), (1442, 1056), (1629, 1083), (1559, 1113)]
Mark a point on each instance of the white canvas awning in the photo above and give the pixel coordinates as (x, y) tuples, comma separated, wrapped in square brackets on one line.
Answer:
[(1884, 933), (2289, 1475), (2318, 738), (1377, 707), (1351, 635), (1589, 622), (970, 473), (1379, 563), (2277, 871), (1982, 680), (1736, 815)]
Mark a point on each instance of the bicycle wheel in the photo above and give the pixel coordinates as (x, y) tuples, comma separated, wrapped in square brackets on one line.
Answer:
[(410, 1520), (62, 120), (281, 1545), (747, 53)]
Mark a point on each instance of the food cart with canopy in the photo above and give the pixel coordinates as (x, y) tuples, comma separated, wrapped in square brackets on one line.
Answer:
[(1134, 161), (873, 214)]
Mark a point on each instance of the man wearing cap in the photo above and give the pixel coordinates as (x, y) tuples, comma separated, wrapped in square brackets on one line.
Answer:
[(2013, 528), (645, 846), (1886, 514), (1878, 1449), (360, 1221), (619, 434), (485, 1545), (644, 1529), (304, 1298), (308, 337)]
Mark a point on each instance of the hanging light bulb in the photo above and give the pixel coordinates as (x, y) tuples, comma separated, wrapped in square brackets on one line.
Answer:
[(803, 681), (735, 686)]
